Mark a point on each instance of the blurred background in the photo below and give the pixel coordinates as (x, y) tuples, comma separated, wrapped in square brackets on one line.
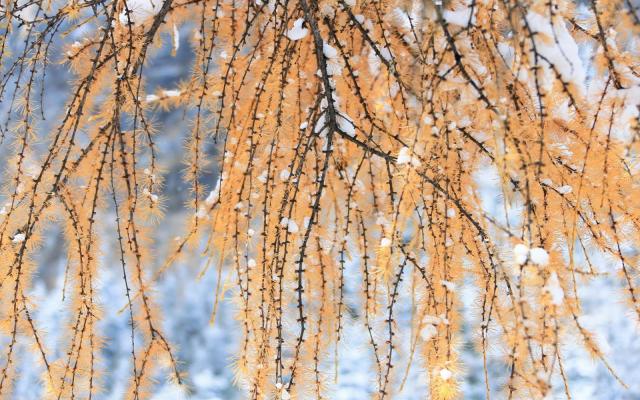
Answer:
[(205, 351)]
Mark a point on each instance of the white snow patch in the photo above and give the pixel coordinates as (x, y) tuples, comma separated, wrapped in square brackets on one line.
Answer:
[(346, 125), (520, 253), (405, 157), (19, 238), (297, 32), (171, 93), (428, 332), (459, 17), (329, 51), (263, 176), (445, 374), (202, 213), (290, 224), (176, 38), (539, 256), (140, 11), (284, 175), (565, 189), (214, 194)]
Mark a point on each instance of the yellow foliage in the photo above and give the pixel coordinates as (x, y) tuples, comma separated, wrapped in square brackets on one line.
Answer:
[(352, 135)]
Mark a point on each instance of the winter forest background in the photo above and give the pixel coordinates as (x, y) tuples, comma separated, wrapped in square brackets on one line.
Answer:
[(205, 351)]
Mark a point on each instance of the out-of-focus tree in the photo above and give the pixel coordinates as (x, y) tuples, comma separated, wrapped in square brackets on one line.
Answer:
[(349, 130)]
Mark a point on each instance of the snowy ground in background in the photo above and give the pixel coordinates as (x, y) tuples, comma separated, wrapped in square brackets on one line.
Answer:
[(205, 351)]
